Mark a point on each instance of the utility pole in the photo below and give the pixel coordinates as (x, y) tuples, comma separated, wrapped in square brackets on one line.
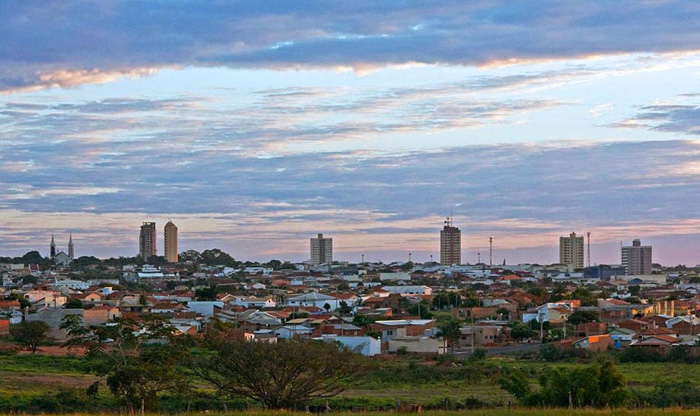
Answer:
[(541, 316), (473, 330), (565, 319)]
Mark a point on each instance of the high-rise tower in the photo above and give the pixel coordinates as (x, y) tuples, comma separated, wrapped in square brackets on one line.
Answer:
[(636, 259), (147, 240), (450, 244), (170, 242), (571, 251), (321, 250)]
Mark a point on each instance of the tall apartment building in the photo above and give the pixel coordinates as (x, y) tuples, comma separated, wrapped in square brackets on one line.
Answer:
[(571, 251), (636, 259), (170, 242), (450, 244), (321, 250), (147, 240)]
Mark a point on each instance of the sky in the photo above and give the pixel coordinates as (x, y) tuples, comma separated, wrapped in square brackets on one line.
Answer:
[(254, 126)]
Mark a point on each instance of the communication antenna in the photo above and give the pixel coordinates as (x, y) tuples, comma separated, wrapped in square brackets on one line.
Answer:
[(490, 251), (409, 257), (588, 234)]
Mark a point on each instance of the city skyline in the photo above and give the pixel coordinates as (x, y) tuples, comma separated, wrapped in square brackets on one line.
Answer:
[(367, 121), (171, 231)]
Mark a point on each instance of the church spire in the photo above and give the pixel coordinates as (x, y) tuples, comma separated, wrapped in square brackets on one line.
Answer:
[(70, 247), (53, 247)]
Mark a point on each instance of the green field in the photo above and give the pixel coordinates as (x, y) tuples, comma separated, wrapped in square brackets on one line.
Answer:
[(490, 412), (26, 381)]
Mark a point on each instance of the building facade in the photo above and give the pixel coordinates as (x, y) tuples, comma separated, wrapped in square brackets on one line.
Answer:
[(147, 240), (450, 244), (571, 251), (321, 250), (62, 258), (636, 259), (170, 242)]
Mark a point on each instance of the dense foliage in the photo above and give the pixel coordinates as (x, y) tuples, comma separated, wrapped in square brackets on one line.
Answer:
[(596, 385), (283, 375)]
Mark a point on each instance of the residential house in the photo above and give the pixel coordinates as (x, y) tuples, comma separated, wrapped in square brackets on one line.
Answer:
[(404, 328), (622, 337), (480, 335), (319, 300), (99, 315), (595, 343), (365, 345), (686, 324), (409, 290)]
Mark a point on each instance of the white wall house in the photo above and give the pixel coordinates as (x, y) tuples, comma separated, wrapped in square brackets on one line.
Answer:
[(316, 299)]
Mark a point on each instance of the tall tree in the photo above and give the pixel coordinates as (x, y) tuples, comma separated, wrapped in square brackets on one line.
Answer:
[(450, 330), (30, 334), (139, 360), (283, 375)]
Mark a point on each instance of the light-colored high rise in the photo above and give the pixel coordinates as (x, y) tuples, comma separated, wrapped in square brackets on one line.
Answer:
[(450, 244), (571, 251), (321, 250), (636, 259), (147, 240), (170, 242)]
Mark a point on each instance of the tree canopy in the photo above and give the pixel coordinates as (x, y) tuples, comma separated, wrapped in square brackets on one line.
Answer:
[(597, 385), (283, 375), (30, 333)]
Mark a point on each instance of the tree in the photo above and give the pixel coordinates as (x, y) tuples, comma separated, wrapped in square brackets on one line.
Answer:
[(519, 330), (30, 333), (451, 331), (441, 301), (420, 309), (327, 306), (206, 293), (503, 312), (344, 308), (73, 303), (23, 302), (139, 360), (283, 375), (597, 385), (583, 317)]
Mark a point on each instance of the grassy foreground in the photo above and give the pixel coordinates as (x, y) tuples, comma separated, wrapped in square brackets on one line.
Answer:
[(55, 384), (488, 412)]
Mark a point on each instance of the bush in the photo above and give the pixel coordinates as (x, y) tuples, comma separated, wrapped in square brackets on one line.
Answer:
[(550, 353), (597, 385), (668, 395), (479, 354)]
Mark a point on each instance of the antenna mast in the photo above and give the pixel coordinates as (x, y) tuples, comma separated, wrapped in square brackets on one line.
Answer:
[(490, 251), (588, 234)]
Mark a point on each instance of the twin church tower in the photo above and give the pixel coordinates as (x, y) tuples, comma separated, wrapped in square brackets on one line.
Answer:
[(61, 257)]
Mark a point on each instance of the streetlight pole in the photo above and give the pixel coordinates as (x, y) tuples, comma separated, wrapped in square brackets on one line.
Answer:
[(541, 316)]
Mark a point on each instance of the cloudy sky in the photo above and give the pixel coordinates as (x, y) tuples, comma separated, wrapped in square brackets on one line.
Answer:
[(255, 125)]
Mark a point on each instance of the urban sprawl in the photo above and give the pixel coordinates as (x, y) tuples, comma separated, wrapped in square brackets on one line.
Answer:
[(377, 308)]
